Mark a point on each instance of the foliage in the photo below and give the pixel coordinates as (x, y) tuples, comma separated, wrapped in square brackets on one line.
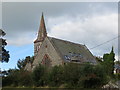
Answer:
[(117, 77), (11, 79), (21, 63), (38, 75), (55, 77), (69, 75), (84, 76), (108, 62), (17, 78), (4, 54), (25, 78), (93, 76)]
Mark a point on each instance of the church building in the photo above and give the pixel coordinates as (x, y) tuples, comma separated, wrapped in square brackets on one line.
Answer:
[(50, 51)]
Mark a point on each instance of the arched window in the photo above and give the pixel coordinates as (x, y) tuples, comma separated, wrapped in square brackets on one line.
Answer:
[(46, 61), (37, 48)]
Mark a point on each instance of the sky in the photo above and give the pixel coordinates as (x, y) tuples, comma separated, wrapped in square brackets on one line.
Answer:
[(0, 14), (89, 23)]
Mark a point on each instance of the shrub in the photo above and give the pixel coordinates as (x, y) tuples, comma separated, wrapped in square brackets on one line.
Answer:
[(12, 79), (92, 76), (38, 75), (25, 79), (55, 77)]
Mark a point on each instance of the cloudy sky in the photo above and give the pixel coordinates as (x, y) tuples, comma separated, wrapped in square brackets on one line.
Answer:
[(89, 23)]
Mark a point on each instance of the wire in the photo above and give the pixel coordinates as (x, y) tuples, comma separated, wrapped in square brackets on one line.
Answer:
[(105, 42)]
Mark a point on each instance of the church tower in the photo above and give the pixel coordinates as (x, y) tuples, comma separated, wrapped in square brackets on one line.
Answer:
[(42, 34)]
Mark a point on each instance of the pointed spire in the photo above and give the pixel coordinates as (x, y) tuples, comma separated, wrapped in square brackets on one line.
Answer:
[(42, 30)]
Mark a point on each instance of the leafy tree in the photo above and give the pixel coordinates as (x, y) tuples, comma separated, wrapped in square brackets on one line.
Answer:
[(108, 62), (38, 75), (21, 63), (25, 78), (55, 77), (17, 77), (71, 74), (12, 79), (4, 54), (92, 76), (84, 75)]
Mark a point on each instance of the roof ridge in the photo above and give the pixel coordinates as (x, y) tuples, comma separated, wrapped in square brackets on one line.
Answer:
[(66, 41)]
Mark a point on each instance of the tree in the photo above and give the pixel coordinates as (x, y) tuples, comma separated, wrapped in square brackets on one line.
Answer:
[(55, 77), (8, 80), (92, 76), (38, 75), (21, 63), (108, 62), (84, 75), (4, 54), (25, 78), (71, 74)]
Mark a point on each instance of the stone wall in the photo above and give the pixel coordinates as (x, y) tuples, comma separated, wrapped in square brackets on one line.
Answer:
[(36, 47), (47, 48), (28, 67)]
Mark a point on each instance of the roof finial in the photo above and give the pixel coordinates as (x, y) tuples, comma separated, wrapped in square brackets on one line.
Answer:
[(42, 14)]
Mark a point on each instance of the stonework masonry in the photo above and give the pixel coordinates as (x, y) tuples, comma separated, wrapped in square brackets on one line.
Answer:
[(49, 50)]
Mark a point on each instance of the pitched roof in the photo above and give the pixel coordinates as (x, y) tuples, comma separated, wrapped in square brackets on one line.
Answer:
[(72, 51)]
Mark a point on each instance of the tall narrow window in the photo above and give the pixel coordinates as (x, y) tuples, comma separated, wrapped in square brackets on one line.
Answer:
[(46, 61)]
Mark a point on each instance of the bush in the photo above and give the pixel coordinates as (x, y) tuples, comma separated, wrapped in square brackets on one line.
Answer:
[(25, 79), (18, 78), (12, 79), (92, 76), (38, 76), (117, 76), (84, 76), (70, 75), (55, 77)]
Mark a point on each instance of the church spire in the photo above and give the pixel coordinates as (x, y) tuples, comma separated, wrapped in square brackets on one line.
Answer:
[(42, 30)]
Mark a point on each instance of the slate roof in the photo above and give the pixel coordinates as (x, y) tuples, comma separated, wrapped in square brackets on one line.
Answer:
[(72, 52)]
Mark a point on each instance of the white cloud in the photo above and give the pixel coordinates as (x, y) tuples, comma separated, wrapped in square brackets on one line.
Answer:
[(22, 39), (103, 26)]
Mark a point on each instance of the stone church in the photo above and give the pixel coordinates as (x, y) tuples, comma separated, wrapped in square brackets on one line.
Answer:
[(51, 51)]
